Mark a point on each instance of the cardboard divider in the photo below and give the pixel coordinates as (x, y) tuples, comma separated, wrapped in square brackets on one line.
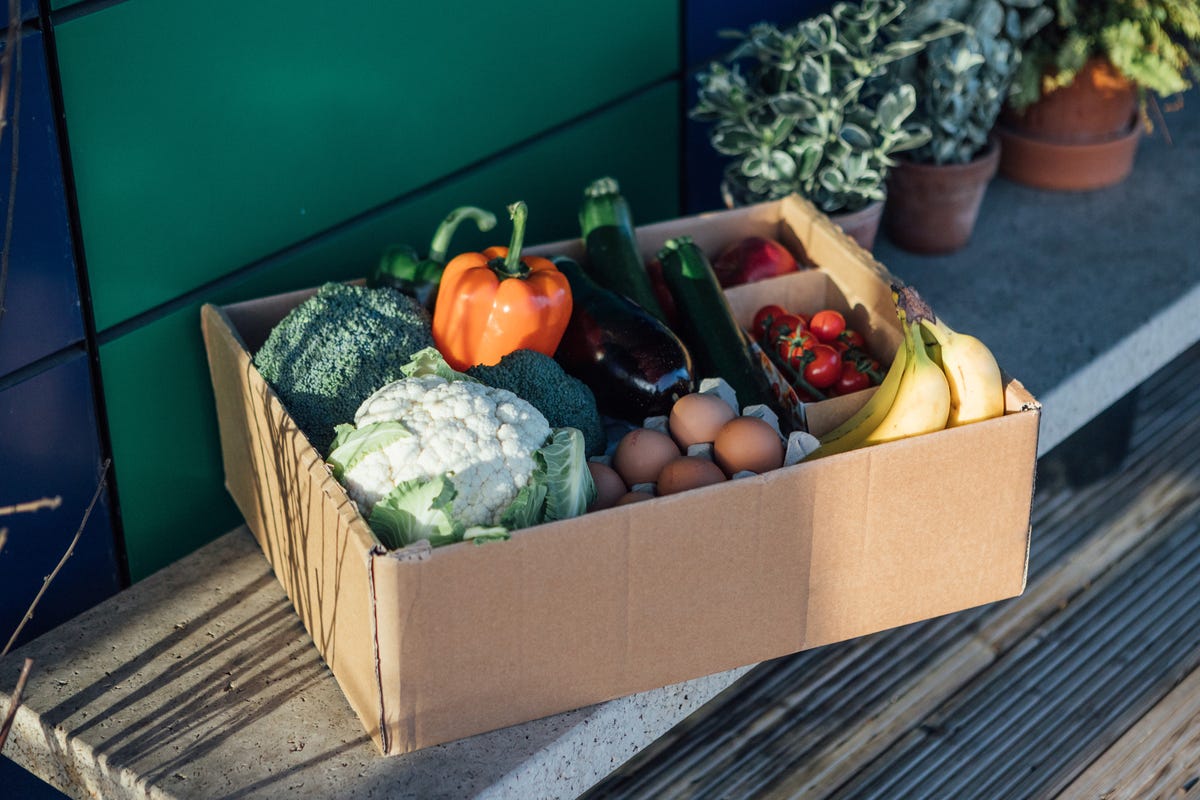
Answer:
[(432, 645)]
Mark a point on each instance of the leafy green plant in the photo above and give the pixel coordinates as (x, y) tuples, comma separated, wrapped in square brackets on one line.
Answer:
[(1153, 43), (964, 74), (812, 109)]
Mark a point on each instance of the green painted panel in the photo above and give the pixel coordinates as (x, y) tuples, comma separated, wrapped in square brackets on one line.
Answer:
[(166, 454), (157, 388), (207, 134)]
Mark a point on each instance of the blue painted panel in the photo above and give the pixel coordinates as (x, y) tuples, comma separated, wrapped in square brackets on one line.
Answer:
[(29, 10), (42, 313), (18, 782), (703, 21), (50, 449)]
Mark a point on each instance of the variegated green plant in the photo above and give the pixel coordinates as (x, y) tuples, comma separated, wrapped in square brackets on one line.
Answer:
[(812, 109), (1153, 43), (964, 74)]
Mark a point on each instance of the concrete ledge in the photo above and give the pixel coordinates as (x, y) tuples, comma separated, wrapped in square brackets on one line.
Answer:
[(201, 682)]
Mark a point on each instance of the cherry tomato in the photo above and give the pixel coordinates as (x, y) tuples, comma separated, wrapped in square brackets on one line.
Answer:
[(827, 325), (852, 380), (764, 320), (793, 346), (785, 326), (825, 367), (867, 366), (849, 339)]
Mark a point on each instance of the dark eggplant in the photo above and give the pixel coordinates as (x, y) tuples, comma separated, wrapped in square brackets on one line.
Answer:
[(636, 366)]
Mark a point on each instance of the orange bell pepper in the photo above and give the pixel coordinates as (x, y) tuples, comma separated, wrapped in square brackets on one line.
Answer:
[(498, 301)]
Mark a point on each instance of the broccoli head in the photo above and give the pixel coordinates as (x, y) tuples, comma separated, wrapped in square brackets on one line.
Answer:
[(331, 352), (565, 401)]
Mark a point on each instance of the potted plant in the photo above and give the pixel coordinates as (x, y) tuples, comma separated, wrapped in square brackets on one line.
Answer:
[(961, 77), (812, 109), (1084, 83)]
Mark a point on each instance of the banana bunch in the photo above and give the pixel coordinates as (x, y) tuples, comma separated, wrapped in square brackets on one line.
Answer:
[(938, 378)]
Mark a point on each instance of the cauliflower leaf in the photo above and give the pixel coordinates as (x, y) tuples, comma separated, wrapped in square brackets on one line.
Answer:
[(570, 489), (429, 361), (414, 510), (351, 444)]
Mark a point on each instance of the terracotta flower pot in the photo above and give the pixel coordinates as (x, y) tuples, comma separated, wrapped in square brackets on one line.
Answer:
[(863, 225), (1098, 105), (1046, 164), (932, 208), (1077, 138)]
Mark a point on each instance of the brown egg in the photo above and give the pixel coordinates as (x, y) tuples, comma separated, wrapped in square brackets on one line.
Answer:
[(748, 443), (696, 418), (609, 486), (641, 454), (634, 497), (688, 472)]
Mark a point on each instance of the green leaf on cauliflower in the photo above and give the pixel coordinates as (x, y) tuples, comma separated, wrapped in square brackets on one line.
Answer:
[(528, 508), (430, 362), (351, 444), (414, 510), (570, 489), (480, 534), (560, 486)]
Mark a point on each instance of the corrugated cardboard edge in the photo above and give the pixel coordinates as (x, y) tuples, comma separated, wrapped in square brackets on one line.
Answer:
[(311, 532), (1018, 399)]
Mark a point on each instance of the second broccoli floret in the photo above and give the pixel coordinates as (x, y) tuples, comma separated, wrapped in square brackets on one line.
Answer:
[(332, 351), (565, 401)]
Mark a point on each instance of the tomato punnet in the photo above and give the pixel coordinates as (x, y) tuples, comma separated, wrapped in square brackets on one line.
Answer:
[(852, 379), (764, 320), (827, 324), (825, 366)]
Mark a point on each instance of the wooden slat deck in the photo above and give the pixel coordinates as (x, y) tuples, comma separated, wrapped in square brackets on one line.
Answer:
[(1088, 685)]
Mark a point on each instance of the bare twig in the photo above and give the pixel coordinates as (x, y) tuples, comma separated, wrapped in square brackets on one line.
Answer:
[(50, 503), (6, 61), (58, 568), (3, 538), (14, 701), (11, 66)]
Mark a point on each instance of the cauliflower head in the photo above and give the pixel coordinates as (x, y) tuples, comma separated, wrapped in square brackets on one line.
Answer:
[(481, 438)]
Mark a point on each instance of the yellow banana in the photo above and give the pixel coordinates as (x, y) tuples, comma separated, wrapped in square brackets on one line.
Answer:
[(922, 403), (976, 387), (852, 432)]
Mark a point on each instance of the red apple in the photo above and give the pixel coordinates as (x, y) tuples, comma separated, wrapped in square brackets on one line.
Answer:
[(753, 258)]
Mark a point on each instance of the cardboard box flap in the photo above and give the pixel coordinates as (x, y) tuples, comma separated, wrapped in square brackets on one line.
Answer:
[(1017, 397)]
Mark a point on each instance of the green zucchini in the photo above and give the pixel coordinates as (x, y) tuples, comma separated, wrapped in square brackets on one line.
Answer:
[(717, 343), (613, 259)]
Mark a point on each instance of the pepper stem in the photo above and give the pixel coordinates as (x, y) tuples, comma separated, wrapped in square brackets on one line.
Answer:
[(512, 262), (484, 220)]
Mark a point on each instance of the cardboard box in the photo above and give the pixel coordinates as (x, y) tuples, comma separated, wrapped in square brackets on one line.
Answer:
[(435, 645)]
